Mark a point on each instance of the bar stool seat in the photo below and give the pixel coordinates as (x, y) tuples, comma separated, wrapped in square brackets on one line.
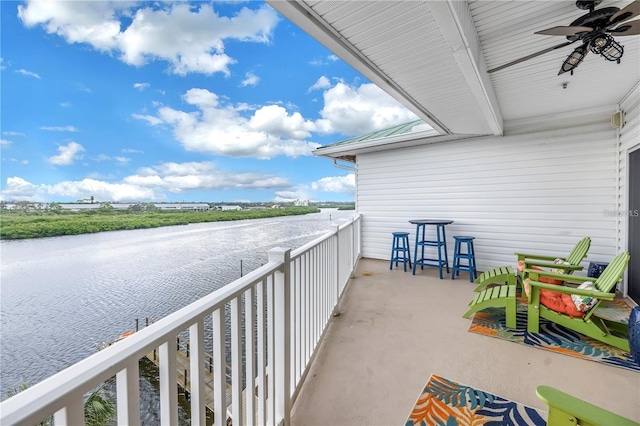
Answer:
[(470, 256), (400, 250)]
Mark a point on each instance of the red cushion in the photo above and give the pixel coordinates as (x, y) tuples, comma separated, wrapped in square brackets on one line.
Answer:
[(559, 302), (541, 279)]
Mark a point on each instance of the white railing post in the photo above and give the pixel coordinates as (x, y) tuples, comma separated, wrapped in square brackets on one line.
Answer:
[(282, 334), (128, 395), (335, 230)]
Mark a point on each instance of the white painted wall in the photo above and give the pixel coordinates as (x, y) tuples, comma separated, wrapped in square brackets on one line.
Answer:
[(540, 188)]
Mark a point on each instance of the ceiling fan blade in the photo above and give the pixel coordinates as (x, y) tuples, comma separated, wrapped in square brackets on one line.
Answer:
[(631, 11), (627, 29), (565, 31), (533, 55)]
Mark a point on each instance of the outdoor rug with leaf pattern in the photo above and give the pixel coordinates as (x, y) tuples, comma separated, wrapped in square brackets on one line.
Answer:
[(445, 402), (556, 338)]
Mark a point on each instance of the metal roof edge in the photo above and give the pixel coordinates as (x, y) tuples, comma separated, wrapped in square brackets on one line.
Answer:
[(393, 142)]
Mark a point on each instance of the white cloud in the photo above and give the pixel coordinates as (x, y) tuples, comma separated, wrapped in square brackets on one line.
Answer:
[(5, 143), (222, 129), (250, 80), (352, 110), (182, 177), (147, 184), (67, 154), (322, 83), (132, 151), (66, 104), (20, 189), (10, 133), (122, 160), (154, 121), (59, 128), (23, 162), (275, 120), (189, 38), (300, 192), (141, 86), (84, 88), (1, 64), (28, 73), (336, 184), (333, 58)]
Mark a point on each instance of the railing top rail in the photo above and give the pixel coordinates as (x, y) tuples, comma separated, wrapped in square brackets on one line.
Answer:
[(49, 395), (307, 247)]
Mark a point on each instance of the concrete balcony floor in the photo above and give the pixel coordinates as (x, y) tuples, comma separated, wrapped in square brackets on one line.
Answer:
[(396, 329)]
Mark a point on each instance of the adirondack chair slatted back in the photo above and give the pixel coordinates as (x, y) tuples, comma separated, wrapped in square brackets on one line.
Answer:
[(610, 277), (579, 252), (612, 273)]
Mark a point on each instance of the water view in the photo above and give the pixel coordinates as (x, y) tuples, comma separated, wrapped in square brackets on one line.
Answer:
[(62, 296)]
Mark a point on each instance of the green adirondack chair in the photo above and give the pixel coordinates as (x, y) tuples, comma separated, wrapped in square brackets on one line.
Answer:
[(612, 333), (506, 274), (567, 410), (576, 255)]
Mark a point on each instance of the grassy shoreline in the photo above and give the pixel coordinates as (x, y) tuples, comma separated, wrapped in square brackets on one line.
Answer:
[(19, 225)]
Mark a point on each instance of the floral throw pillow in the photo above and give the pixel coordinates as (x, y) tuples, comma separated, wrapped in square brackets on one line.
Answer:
[(584, 303), (560, 262)]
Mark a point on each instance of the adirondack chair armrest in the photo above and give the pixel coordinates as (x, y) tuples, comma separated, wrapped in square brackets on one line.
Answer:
[(535, 273), (570, 290), (541, 264), (567, 409), (523, 256)]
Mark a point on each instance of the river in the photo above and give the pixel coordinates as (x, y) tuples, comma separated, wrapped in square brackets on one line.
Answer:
[(60, 297)]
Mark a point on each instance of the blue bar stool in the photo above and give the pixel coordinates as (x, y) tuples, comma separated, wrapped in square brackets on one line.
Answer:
[(400, 250), (470, 255)]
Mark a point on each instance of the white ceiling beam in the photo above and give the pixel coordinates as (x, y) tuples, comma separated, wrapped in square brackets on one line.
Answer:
[(456, 24)]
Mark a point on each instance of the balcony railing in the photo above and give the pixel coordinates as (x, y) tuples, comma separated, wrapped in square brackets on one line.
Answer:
[(277, 316)]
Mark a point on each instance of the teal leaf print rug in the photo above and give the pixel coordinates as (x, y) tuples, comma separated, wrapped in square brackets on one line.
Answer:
[(554, 337), (448, 403)]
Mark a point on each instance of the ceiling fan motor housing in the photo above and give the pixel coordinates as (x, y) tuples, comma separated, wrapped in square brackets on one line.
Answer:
[(587, 4)]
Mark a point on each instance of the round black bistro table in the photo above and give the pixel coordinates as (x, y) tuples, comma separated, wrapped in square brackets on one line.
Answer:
[(440, 243)]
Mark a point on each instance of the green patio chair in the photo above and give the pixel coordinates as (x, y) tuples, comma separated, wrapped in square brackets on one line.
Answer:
[(567, 410), (609, 332), (506, 274), (572, 261)]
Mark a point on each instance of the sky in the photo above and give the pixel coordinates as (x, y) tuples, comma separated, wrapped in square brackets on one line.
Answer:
[(174, 101)]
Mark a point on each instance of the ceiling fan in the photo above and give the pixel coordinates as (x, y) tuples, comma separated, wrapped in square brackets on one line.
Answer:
[(595, 30)]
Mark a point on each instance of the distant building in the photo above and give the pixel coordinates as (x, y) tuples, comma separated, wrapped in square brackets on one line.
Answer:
[(199, 207), (301, 203), (225, 207)]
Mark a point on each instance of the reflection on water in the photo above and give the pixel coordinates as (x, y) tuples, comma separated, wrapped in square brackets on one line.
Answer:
[(60, 297)]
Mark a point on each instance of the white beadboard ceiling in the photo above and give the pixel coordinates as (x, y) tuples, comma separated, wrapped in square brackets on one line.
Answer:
[(433, 55)]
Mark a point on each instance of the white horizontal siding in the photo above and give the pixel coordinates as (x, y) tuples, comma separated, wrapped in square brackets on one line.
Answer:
[(534, 191)]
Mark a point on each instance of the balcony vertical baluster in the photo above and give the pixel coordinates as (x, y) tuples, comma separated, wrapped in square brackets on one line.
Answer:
[(197, 366), (219, 373), (128, 394), (236, 360), (262, 350), (168, 389), (250, 347)]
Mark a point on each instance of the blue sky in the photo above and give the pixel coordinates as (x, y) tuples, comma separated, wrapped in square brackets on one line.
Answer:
[(174, 101)]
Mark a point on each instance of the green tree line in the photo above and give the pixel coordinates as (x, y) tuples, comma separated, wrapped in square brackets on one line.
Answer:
[(20, 225)]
